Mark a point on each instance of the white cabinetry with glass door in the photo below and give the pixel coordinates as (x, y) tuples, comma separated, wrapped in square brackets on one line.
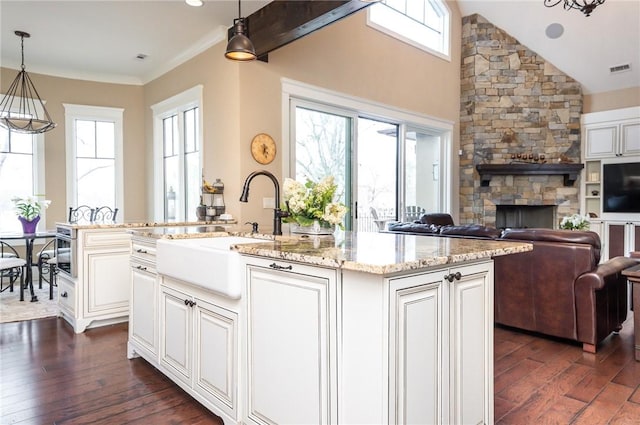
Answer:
[(101, 288), (199, 345), (322, 347)]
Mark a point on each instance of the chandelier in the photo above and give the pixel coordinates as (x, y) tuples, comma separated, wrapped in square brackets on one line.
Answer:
[(20, 106), (584, 6)]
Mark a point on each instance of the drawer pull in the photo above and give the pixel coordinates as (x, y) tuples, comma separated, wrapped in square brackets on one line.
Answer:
[(141, 251), (279, 267), (141, 268), (64, 294), (189, 303)]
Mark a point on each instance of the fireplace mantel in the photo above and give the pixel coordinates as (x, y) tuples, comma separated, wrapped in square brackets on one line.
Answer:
[(570, 171)]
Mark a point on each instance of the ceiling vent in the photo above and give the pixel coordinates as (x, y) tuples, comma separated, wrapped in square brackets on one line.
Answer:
[(620, 68)]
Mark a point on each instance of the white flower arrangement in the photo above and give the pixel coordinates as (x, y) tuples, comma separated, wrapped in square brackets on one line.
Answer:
[(312, 201), (575, 222), (29, 207)]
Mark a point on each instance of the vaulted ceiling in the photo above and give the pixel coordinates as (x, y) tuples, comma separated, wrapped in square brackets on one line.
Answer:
[(101, 40)]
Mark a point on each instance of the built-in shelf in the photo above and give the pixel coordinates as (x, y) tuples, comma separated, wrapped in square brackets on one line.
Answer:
[(569, 171)]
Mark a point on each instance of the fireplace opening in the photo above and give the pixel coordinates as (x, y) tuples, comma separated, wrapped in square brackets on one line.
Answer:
[(525, 216)]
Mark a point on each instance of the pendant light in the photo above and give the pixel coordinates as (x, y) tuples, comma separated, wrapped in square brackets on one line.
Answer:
[(20, 106), (240, 48)]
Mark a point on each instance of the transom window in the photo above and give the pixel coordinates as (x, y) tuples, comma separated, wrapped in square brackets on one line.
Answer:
[(421, 23)]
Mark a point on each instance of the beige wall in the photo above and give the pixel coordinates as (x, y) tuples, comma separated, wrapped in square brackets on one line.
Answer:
[(242, 100), (56, 91), (611, 100)]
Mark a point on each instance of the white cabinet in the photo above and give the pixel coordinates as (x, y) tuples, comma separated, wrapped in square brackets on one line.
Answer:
[(612, 133), (143, 313), (351, 347), (102, 286), (199, 345), (622, 238), (290, 344)]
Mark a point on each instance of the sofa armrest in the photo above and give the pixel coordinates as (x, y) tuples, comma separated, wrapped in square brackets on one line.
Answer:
[(601, 300)]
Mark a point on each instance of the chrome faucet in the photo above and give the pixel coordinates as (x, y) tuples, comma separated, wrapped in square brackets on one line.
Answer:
[(278, 214)]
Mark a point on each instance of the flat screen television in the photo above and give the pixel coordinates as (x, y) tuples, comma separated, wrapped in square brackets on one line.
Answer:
[(621, 187)]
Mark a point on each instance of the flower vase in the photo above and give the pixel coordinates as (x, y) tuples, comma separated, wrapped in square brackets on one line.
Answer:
[(29, 226), (317, 228)]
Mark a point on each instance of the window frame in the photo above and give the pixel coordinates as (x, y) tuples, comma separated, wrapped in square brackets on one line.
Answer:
[(445, 39), (175, 105), (37, 170), (298, 92), (75, 112)]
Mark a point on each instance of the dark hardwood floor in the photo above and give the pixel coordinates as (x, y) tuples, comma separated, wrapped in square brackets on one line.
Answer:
[(49, 375)]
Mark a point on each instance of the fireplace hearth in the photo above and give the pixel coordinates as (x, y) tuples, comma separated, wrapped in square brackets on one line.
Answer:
[(525, 216)]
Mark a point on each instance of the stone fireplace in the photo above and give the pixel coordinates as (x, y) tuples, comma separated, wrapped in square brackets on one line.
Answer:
[(516, 108)]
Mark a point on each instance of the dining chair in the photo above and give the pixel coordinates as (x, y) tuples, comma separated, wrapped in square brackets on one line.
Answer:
[(83, 213), (103, 214), (47, 262), (11, 266)]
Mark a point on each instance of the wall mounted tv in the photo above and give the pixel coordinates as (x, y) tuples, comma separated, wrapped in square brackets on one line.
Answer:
[(621, 187)]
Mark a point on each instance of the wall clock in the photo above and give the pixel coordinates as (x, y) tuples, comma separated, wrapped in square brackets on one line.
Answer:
[(263, 148)]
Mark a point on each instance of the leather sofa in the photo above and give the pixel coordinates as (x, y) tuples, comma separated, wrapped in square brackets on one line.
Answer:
[(558, 289)]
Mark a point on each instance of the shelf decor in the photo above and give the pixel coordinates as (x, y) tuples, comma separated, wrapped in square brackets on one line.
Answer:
[(311, 207)]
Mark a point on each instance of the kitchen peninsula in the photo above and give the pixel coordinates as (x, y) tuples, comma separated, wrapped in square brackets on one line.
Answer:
[(356, 328), (93, 274)]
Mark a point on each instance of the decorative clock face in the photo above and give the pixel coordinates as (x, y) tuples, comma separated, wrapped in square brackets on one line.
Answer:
[(263, 148)]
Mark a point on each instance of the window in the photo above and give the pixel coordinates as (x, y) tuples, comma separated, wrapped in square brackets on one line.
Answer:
[(177, 140), (389, 164), (421, 23), (94, 156), (21, 174)]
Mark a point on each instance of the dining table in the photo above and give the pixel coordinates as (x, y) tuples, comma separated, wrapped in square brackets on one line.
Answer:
[(29, 239)]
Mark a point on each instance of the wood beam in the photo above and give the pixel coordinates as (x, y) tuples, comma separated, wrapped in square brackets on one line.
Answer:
[(284, 21)]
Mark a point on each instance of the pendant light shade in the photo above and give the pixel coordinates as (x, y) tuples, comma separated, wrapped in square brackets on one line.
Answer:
[(240, 48), (22, 110)]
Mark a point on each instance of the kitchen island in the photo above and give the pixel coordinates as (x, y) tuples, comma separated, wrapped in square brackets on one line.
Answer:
[(357, 328)]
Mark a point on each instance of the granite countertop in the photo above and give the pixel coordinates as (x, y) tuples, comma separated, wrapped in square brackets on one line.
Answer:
[(377, 253), (143, 224)]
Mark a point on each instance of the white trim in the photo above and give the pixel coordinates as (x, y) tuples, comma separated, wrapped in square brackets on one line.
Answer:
[(292, 89), (94, 113), (180, 102)]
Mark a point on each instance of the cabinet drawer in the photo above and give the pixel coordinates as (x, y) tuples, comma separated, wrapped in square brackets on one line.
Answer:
[(143, 251), (108, 238), (67, 295)]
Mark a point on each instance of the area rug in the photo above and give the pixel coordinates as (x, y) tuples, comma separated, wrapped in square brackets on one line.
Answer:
[(14, 310)]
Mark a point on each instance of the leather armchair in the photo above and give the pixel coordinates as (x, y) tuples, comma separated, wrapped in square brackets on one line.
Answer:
[(559, 288)]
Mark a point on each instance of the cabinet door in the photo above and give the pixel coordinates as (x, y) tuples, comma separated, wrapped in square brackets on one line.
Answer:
[(176, 324), (143, 315), (415, 349), (616, 239), (601, 141), (471, 316), (108, 278), (630, 139), (216, 355), (290, 366), (633, 238)]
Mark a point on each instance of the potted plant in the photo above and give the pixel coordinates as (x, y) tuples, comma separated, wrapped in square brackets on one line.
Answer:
[(311, 206), (28, 211), (575, 222)]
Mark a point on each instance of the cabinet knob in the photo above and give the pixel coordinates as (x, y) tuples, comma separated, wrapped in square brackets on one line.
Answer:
[(141, 268), (453, 276), (186, 302), (279, 267), (141, 251), (64, 294)]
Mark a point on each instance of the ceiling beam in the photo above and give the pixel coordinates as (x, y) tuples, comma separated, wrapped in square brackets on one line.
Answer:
[(284, 21)]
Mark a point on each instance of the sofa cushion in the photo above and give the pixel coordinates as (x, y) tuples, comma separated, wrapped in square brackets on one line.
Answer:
[(561, 236), (414, 228), (471, 230), (438, 219)]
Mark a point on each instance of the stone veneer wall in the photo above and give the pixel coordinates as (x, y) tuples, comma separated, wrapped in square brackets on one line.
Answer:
[(513, 101)]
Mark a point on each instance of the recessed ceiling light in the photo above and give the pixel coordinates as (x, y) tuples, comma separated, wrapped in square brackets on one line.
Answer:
[(554, 30), (195, 3)]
